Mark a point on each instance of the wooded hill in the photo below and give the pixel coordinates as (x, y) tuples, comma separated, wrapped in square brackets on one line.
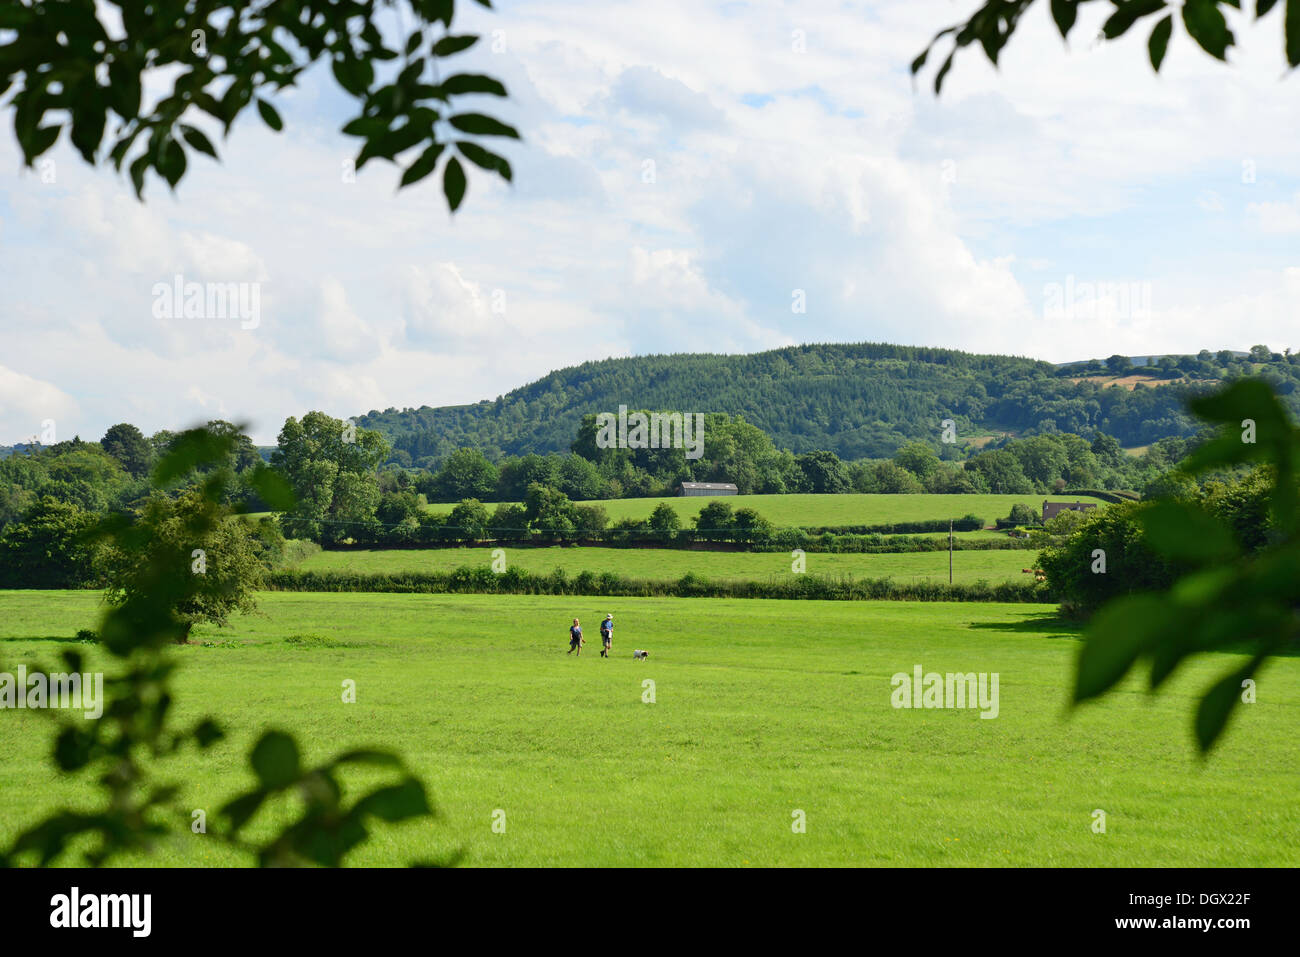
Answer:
[(859, 400)]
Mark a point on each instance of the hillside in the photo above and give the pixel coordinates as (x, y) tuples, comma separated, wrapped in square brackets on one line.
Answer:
[(857, 400)]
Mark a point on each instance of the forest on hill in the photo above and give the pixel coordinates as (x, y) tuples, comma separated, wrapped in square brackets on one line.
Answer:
[(859, 401)]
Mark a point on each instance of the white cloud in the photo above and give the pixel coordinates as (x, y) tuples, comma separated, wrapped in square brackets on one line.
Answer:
[(903, 217)]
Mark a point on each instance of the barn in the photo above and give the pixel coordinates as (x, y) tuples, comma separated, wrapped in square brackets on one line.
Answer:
[(709, 488), (1053, 509)]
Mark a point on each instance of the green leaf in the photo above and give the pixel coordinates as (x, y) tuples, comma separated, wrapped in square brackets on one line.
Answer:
[(1216, 707), (88, 118), (354, 75), (1263, 6), (171, 161), (480, 125), (196, 138), (1187, 533), (123, 88), (449, 45), (1292, 27), (189, 450), (208, 732), (41, 140), (1205, 22), (273, 488), (1117, 636), (396, 803), (423, 166), (1158, 44), (462, 83), (1127, 14), (242, 808), (1064, 13), (72, 749), (485, 159), (269, 115), (275, 760), (453, 183)]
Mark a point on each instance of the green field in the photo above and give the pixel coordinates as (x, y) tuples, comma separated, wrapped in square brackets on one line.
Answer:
[(762, 709), (786, 510), (671, 564)]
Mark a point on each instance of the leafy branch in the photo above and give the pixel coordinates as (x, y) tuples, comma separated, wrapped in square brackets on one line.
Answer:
[(67, 70), (992, 25)]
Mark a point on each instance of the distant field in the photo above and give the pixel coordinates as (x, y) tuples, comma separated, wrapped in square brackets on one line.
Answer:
[(761, 709), (846, 509), (662, 563)]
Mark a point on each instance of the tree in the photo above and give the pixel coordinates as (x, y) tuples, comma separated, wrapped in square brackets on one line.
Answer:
[(1131, 565), (1022, 514), (996, 20), (1042, 458), (590, 518), (128, 445), (664, 519), (751, 527), (329, 465), (824, 472), (918, 458), (220, 59), (469, 520), (48, 548), (890, 479), (167, 534), (1002, 471), (1119, 365), (715, 522), (509, 521), (466, 474), (548, 510)]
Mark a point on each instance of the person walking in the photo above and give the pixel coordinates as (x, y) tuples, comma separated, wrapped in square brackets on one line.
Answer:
[(575, 639), (606, 635)]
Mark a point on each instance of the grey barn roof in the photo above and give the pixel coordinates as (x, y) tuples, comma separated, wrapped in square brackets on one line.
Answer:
[(708, 485)]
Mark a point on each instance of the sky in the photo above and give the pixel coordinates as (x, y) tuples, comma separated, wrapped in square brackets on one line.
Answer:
[(693, 177)]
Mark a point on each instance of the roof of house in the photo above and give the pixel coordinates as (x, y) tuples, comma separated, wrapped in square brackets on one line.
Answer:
[(709, 485)]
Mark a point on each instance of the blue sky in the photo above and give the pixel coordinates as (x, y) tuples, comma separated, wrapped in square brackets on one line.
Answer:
[(790, 152)]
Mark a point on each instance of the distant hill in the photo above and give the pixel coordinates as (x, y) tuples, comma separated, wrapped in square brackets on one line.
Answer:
[(858, 400)]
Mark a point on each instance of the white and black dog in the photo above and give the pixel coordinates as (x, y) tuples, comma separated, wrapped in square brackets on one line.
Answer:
[(640, 654)]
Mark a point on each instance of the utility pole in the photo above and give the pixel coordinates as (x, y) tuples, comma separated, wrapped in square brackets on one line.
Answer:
[(949, 551)]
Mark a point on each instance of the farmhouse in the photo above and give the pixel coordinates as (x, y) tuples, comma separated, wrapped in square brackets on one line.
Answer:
[(1053, 509), (709, 488)]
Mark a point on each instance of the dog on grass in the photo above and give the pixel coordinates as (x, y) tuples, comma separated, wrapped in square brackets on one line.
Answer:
[(640, 654)]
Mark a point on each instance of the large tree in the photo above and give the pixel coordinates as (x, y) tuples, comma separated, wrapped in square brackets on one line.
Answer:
[(330, 465), (128, 445)]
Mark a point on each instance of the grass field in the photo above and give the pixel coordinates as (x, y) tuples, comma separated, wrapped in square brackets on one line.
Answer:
[(784, 510), (664, 564), (762, 709)]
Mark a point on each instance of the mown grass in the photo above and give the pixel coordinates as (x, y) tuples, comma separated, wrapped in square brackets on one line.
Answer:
[(762, 708), (671, 564)]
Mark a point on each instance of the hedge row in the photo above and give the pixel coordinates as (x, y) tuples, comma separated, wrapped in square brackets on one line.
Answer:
[(514, 581), (967, 523)]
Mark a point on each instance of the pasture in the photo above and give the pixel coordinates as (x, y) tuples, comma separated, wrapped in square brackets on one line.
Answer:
[(761, 709), (664, 564), (850, 509)]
